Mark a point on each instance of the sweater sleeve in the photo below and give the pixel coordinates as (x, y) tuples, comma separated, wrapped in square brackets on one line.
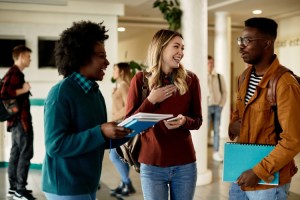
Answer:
[(62, 139), (194, 118)]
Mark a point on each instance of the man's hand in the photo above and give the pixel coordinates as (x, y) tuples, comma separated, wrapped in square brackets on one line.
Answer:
[(111, 130), (234, 129), (248, 179)]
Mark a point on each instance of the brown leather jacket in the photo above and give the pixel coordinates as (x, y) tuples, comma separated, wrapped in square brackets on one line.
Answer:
[(257, 125)]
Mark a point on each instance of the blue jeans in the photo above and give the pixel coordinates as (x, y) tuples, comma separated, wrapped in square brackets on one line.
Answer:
[(158, 181), (277, 193), (214, 115), (122, 168), (50, 196)]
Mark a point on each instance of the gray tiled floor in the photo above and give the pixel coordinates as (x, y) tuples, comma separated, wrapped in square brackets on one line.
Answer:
[(217, 190)]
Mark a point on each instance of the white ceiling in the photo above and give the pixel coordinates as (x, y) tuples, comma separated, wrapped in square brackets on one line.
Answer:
[(140, 14), (238, 9)]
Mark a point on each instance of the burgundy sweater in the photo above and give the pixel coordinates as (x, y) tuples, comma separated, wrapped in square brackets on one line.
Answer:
[(161, 146)]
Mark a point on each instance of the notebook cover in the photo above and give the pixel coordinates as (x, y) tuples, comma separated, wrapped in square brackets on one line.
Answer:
[(241, 157), (138, 126)]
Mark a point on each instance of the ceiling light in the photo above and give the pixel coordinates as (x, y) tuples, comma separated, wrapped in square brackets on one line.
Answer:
[(256, 12), (121, 29)]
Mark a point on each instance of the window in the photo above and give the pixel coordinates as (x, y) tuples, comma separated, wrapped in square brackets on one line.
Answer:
[(7, 46), (46, 53)]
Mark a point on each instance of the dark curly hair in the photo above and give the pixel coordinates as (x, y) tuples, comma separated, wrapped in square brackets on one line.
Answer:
[(76, 46)]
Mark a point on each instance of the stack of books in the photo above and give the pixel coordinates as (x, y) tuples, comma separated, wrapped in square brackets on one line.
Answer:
[(142, 121)]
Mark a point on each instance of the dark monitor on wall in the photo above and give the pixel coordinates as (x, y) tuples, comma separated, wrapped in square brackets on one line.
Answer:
[(46, 53), (6, 47)]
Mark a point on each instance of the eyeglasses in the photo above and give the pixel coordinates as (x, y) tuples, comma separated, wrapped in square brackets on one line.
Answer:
[(245, 41)]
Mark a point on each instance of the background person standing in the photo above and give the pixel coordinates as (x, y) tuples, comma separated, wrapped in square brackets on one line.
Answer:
[(216, 99), (20, 125), (122, 75)]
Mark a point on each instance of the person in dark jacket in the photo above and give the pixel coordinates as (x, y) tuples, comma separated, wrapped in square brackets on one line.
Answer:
[(20, 125)]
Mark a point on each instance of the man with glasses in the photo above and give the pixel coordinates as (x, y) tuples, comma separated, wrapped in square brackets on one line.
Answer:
[(253, 120)]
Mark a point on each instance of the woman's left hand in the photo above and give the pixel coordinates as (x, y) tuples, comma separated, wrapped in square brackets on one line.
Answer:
[(177, 123)]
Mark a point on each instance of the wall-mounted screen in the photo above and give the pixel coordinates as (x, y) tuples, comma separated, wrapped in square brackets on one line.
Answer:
[(46, 53)]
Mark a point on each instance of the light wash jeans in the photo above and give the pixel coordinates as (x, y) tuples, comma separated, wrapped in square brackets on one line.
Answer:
[(50, 196), (214, 114), (158, 181), (122, 167), (277, 193)]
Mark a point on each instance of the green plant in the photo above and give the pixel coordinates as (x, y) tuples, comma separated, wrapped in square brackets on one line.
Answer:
[(134, 66), (171, 12)]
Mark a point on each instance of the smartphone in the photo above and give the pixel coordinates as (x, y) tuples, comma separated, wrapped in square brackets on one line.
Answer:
[(174, 119)]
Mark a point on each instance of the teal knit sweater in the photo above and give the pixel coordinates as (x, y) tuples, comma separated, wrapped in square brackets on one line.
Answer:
[(74, 142)]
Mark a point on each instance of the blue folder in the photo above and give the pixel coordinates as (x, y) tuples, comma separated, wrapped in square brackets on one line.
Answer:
[(142, 121), (137, 126), (241, 157)]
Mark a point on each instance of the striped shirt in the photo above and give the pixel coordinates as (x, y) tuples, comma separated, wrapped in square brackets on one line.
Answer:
[(253, 82)]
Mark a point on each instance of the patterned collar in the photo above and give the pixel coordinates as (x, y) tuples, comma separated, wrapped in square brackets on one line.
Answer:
[(83, 82)]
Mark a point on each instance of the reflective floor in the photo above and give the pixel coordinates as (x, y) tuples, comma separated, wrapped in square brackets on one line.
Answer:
[(217, 190)]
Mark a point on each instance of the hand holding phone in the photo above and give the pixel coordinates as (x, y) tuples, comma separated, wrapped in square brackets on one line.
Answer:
[(174, 119)]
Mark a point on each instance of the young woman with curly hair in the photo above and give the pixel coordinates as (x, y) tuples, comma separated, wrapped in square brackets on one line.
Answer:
[(76, 128)]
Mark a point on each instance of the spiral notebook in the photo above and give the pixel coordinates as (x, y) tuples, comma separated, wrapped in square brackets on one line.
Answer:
[(241, 157)]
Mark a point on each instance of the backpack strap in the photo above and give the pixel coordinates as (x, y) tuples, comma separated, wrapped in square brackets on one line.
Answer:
[(145, 86), (220, 84), (271, 96)]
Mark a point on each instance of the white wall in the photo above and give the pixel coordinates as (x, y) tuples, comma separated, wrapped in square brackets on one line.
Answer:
[(288, 43), (135, 48), (32, 21)]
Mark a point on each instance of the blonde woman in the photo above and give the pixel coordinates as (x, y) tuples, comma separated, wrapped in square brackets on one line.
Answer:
[(122, 75), (167, 156)]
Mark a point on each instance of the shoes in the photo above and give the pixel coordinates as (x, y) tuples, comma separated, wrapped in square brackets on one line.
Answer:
[(217, 157), (123, 190), (11, 192), (117, 190), (23, 195)]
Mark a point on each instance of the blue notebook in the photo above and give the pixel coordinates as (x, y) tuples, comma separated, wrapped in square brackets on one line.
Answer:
[(137, 126), (142, 121), (241, 157)]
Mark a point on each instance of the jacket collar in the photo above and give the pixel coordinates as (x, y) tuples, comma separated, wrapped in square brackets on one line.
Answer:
[(267, 76)]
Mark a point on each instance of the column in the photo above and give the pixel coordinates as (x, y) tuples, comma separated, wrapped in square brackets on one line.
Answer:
[(223, 63), (194, 30)]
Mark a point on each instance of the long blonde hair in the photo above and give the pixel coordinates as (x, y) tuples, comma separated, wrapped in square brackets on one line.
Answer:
[(154, 61)]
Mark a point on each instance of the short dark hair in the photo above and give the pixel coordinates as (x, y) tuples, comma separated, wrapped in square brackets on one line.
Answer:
[(265, 25), (18, 50), (209, 57), (75, 47)]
